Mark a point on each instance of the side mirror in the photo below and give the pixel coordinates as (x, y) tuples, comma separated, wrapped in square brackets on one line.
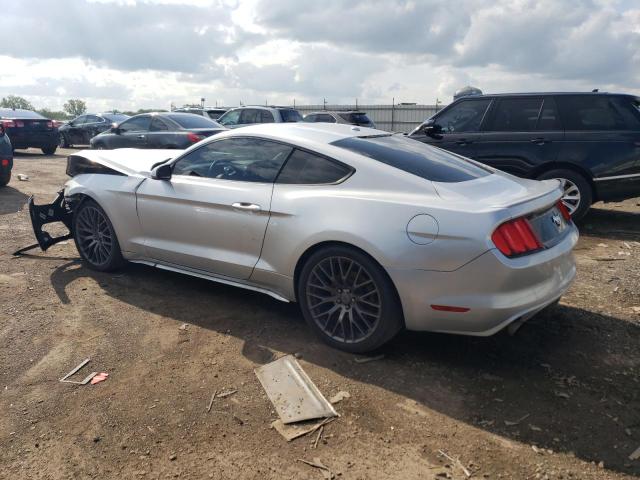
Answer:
[(115, 129), (162, 172), (432, 129)]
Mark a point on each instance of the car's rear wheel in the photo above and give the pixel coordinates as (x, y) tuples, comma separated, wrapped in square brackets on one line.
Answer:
[(95, 237), (348, 300), (62, 141), (5, 179), (577, 196), (49, 149)]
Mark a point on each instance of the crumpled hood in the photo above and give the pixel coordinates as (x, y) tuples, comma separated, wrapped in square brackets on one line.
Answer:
[(130, 161)]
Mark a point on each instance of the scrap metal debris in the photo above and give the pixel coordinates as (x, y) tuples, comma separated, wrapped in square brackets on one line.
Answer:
[(296, 430), (635, 455), (317, 463), (75, 370), (368, 359), (320, 430), (211, 401), (509, 423), (226, 394), (291, 391), (23, 178)]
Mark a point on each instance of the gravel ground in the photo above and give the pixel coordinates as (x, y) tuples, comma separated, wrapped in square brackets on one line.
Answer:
[(559, 400)]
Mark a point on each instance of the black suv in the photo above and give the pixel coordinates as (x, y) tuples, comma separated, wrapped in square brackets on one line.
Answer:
[(590, 141)]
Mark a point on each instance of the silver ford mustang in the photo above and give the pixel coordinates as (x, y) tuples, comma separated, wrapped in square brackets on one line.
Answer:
[(369, 232)]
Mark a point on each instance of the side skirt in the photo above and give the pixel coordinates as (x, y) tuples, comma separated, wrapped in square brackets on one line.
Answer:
[(213, 278)]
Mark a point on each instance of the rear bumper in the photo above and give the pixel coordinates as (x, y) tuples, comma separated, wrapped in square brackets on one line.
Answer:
[(496, 290), (36, 139)]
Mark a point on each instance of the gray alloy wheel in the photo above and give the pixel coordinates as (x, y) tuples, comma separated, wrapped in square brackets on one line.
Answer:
[(343, 299), (577, 193), (348, 300), (62, 141), (95, 237)]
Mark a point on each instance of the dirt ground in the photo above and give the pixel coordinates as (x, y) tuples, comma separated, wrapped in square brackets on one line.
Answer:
[(559, 400)]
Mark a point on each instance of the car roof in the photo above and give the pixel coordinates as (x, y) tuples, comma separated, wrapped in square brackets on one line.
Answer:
[(527, 94), (335, 112), (18, 113), (299, 132)]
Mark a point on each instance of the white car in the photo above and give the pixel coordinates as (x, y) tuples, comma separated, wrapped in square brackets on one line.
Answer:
[(370, 232)]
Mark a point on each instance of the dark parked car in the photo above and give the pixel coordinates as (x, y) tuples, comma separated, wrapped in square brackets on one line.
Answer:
[(83, 128), (29, 129), (590, 141), (250, 115), (212, 113), (6, 157), (157, 130), (351, 117)]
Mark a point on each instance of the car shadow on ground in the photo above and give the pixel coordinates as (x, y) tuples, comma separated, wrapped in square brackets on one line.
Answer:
[(555, 384), (26, 154), (11, 200), (608, 223)]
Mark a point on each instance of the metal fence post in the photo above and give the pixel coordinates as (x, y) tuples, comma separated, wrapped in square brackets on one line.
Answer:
[(393, 109)]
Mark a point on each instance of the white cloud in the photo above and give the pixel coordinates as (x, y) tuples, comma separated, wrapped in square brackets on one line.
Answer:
[(132, 54)]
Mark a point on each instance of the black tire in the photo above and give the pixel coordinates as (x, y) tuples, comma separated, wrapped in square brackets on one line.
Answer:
[(95, 238), (49, 149), (573, 181), (335, 307), (99, 146), (62, 141), (5, 179)]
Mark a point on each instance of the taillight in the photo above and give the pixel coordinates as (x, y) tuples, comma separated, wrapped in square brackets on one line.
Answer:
[(515, 237), (564, 210), (193, 138), (8, 123), (5, 162)]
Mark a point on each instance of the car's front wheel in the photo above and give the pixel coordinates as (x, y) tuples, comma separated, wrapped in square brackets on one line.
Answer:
[(95, 237), (577, 196), (348, 299), (62, 141)]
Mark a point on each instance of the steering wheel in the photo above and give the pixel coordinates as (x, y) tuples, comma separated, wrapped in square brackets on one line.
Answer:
[(222, 169)]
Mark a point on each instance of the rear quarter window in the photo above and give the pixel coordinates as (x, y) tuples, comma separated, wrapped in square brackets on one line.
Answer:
[(415, 157), (307, 168)]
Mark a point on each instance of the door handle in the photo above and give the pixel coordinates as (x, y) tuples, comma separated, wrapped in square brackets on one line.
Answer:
[(539, 141), (141, 137), (249, 207)]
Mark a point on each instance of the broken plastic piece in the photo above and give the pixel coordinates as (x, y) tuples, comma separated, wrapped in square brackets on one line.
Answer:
[(100, 377)]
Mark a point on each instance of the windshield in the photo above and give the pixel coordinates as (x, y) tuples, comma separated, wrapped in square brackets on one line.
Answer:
[(414, 157), (290, 116), (193, 121), (115, 117), (357, 118)]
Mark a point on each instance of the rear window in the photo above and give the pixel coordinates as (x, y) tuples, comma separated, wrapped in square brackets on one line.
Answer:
[(359, 118), (583, 112), (414, 157), (10, 113), (193, 121), (290, 116)]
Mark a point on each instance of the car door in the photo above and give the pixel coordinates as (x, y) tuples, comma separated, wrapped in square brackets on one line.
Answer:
[(603, 137), (249, 116), (75, 130), (159, 136), (457, 127), (90, 128), (132, 133), (520, 134), (212, 214)]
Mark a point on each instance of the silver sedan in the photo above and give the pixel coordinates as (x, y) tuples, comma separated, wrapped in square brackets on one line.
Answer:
[(369, 232)]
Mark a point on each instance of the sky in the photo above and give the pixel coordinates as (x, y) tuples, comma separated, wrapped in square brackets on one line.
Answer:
[(130, 54)]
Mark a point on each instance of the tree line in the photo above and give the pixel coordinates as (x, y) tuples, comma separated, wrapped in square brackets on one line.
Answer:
[(71, 109)]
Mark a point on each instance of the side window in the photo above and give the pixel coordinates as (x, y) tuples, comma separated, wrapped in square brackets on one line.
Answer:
[(549, 119), (592, 112), (230, 118), (518, 114), (266, 116), (241, 159), (306, 168), (249, 115), (158, 125), (93, 119), (326, 118), (81, 120), (137, 124), (310, 118), (463, 117)]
